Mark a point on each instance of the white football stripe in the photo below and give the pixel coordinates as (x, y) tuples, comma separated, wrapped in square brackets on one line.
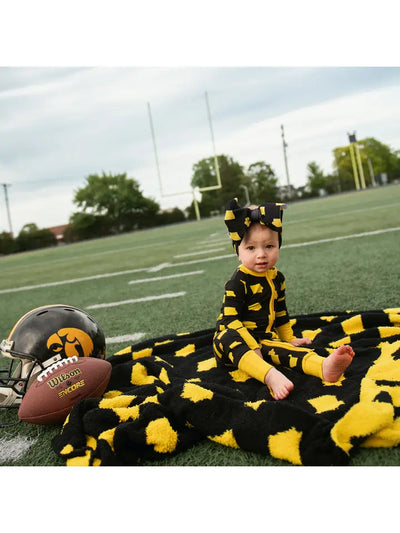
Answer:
[(158, 267), (125, 338), (216, 242), (13, 449), (202, 252), (74, 280), (343, 237), (204, 260), (338, 213), (161, 278), (137, 300)]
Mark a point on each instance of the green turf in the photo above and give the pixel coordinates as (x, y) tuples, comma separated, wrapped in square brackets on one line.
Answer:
[(356, 273)]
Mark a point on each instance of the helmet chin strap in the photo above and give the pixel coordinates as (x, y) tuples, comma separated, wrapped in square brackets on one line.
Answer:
[(9, 397), (12, 396)]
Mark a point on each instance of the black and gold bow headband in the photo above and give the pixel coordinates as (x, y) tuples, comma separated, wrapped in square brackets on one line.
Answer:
[(238, 219)]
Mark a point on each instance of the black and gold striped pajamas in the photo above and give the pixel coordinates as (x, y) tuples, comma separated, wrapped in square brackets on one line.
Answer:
[(254, 315)]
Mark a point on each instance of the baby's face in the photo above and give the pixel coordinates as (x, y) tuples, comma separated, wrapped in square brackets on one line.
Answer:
[(259, 250)]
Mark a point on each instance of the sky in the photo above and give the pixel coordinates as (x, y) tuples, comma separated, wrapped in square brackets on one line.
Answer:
[(62, 122)]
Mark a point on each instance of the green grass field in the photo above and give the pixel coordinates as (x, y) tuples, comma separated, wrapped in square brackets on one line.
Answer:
[(195, 259)]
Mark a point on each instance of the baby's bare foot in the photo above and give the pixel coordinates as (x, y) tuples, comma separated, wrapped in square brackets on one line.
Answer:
[(336, 363), (278, 384)]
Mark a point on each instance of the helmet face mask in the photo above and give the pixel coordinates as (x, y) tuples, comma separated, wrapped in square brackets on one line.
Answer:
[(21, 372), (42, 337)]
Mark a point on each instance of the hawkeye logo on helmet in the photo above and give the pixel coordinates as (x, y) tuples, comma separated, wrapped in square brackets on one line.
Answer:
[(71, 341)]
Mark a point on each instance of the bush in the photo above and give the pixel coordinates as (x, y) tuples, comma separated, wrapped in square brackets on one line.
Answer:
[(85, 226), (169, 217), (31, 238), (7, 243)]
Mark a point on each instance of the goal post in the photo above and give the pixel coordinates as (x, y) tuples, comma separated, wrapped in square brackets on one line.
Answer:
[(195, 190)]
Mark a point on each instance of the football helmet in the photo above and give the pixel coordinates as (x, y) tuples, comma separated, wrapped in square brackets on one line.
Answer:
[(39, 339)]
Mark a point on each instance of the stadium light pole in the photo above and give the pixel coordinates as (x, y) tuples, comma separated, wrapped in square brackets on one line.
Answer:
[(371, 172), (5, 185), (286, 163), (370, 167)]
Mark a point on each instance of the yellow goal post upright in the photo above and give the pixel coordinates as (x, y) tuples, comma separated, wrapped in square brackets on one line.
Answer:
[(193, 191), (355, 157)]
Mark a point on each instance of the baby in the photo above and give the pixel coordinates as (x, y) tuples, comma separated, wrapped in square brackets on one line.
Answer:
[(253, 330)]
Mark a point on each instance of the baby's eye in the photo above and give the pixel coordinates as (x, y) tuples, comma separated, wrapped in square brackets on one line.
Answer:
[(250, 247), (269, 246)]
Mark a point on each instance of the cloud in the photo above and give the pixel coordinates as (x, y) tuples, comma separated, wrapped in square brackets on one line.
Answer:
[(61, 124)]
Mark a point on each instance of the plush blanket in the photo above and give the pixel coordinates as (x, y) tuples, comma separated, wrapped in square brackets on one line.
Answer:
[(166, 394)]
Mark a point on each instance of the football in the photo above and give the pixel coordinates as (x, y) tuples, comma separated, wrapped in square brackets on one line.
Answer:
[(60, 386)]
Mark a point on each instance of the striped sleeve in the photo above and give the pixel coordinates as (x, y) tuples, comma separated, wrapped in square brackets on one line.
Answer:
[(233, 306)]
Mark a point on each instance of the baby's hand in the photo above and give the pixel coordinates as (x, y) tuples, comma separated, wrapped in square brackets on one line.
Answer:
[(300, 342)]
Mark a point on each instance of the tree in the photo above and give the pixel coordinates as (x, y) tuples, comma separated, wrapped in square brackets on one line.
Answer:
[(7, 243), (263, 185), (118, 201), (171, 216), (396, 169), (316, 181), (204, 175), (375, 156), (382, 159), (84, 226), (31, 237)]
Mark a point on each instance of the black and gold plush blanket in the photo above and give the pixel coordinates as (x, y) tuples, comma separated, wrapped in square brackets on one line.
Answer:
[(166, 394)]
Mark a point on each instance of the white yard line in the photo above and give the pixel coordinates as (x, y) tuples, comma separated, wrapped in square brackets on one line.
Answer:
[(343, 237), (13, 449), (125, 338), (204, 260), (157, 267), (202, 252), (74, 280), (338, 213), (217, 242), (169, 265), (210, 244), (161, 278), (137, 300)]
